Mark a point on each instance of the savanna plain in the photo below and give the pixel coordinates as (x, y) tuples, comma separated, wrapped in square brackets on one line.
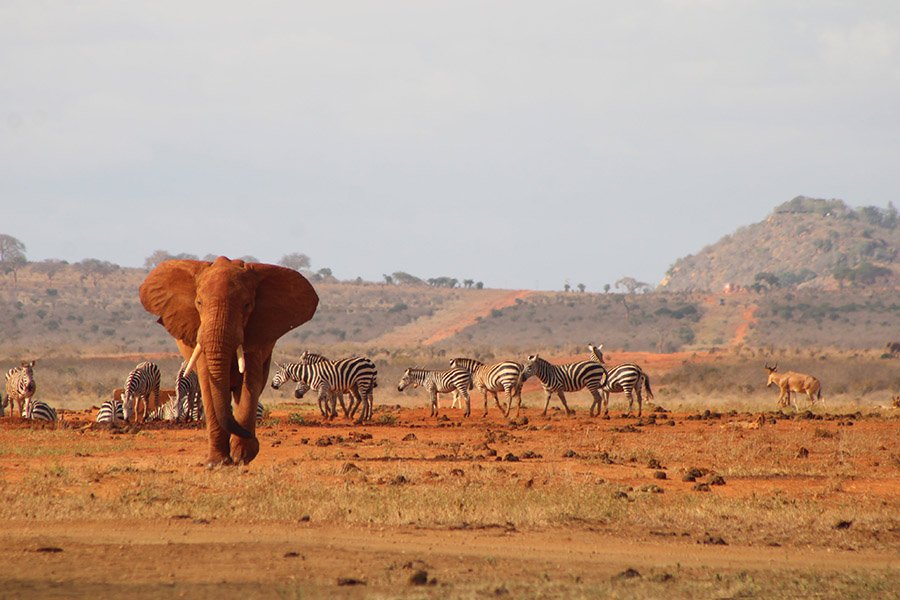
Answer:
[(713, 492)]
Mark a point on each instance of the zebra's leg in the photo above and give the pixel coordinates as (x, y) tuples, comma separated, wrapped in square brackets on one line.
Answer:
[(640, 398), (358, 400), (484, 391), (562, 398), (497, 402), (598, 401), (629, 392), (344, 409), (434, 402), (547, 402), (468, 400), (606, 394), (509, 400)]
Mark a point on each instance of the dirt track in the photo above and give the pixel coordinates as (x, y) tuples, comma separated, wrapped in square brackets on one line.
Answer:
[(215, 559)]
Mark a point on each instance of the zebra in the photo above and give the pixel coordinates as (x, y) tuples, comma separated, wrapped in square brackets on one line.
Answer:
[(566, 378), (111, 411), (38, 410), (188, 401), (504, 376), (20, 386), (356, 375), (627, 377), (454, 380), (170, 410), (140, 384), (357, 399)]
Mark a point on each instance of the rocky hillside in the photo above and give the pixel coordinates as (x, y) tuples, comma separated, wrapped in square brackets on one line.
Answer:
[(806, 242)]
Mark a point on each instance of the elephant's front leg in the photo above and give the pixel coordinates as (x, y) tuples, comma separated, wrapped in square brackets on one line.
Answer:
[(244, 450)]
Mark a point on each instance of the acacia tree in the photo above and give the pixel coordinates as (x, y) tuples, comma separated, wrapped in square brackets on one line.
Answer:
[(632, 285), (581, 287), (295, 261), (157, 257), (12, 255), (96, 269), (49, 267)]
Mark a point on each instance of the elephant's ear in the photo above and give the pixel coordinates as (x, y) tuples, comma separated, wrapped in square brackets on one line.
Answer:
[(284, 300), (169, 292)]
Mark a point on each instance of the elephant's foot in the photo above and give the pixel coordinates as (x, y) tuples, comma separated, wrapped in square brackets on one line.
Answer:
[(244, 450)]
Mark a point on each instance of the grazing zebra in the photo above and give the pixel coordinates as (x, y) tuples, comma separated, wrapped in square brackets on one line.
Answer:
[(188, 402), (20, 386), (566, 378), (356, 375), (454, 380), (627, 377), (38, 410), (111, 411), (504, 376), (140, 384), (357, 400)]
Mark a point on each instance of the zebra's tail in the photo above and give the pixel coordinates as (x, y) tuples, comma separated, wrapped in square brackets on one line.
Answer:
[(647, 387)]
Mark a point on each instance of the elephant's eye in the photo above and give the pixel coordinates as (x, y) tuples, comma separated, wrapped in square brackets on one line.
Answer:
[(248, 306)]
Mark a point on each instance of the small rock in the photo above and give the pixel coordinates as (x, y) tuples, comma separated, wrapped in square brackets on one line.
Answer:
[(660, 474), (457, 472), (716, 480), (620, 495), (701, 487), (843, 524), (712, 540), (349, 468), (570, 454), (291, 554), (653, 464), (420, 577), (304, 519), (510, 457), (803, 453), (350, 581), (628, 574), (49, 549), (409, 437)]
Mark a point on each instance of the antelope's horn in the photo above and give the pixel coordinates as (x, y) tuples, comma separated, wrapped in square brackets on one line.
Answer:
[(240, 357), (192, 360)]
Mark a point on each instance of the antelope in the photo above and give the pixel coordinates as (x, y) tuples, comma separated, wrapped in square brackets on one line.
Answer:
[(794, 382)]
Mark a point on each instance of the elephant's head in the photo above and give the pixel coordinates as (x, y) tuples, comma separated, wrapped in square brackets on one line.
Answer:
[(227, 315)]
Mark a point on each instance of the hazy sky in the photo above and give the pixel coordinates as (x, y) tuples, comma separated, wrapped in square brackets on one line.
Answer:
[(519, 143)]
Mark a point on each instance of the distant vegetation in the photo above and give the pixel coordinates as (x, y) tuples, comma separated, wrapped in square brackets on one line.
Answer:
[(806, 242)]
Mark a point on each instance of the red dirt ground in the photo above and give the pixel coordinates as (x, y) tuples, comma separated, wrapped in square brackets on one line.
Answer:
[(224, 557)]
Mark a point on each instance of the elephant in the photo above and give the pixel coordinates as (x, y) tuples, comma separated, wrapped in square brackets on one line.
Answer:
[(226, 316)]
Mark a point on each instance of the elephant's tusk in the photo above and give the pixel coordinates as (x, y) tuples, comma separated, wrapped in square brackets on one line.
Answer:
[(240, 357), (192, 360)]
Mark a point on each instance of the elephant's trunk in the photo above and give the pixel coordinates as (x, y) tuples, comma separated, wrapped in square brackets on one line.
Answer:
[(220, 350)]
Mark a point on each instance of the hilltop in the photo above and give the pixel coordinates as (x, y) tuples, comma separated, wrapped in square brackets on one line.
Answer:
[(806, 242)]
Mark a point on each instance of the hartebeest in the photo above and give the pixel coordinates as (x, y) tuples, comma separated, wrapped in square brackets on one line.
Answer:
[(794, 382)]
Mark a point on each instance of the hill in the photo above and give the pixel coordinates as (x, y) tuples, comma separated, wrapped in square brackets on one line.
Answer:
[(69, 313), (806, 242)]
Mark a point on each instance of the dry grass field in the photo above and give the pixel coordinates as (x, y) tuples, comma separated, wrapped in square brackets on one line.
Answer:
[(780, 505)]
